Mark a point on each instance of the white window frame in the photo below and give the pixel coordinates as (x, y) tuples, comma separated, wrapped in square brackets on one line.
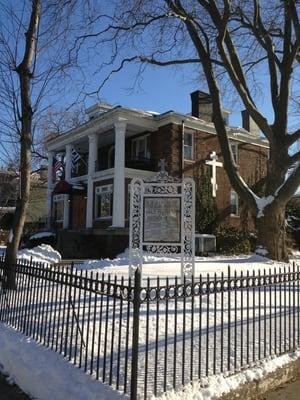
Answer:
[(185, 145), (235, 153), (138, 139), (98, 191), (56, 199), (234, 195)]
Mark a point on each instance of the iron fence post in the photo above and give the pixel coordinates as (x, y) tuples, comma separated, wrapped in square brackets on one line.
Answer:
[(135, 334)]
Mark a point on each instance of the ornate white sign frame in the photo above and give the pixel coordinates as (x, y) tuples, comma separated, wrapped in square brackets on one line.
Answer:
[(162, 186)]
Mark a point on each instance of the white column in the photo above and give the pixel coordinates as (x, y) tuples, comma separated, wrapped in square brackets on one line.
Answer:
[(68, 161), (50, 185), (66, 211), (119, 175), (93, 153)]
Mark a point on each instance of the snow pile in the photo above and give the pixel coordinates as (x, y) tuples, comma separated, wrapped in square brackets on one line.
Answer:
[(122, 260), (44, 374), (40, 235), (43, 253), (218, 385), (261, 251), (171, 266)]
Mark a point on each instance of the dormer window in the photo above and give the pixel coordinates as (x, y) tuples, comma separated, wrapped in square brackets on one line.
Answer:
[(141, 148)]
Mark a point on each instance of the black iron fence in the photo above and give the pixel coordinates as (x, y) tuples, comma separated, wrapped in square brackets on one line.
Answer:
[(147, 337)]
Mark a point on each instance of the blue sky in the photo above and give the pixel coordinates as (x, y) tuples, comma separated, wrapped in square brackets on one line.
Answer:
[(161, 89)]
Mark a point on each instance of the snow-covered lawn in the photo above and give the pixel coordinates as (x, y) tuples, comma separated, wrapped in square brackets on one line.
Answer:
[(179, 340), (170, 266)]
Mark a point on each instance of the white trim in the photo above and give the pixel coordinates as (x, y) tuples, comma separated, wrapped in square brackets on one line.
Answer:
[(118, 211), (59, 198), (137, 139), (105, 174), (68, 162), (129, 173), (149, 122), (99, 190), (185, 145), (104, 189), (132, 173), (79, 179)]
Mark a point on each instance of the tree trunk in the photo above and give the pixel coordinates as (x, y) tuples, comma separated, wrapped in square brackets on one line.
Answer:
[(271, 233), (20, 214), (24, 71)]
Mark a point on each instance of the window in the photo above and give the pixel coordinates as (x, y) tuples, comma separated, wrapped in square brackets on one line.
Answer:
[(188, 146), (58, 207), (141, 148), (103, 201), (234, 150), (234, 203)]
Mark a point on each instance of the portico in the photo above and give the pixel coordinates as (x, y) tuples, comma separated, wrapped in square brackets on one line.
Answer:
[(104, 176)]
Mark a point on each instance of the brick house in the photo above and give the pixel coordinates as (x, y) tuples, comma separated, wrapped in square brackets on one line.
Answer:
[(90, 205)]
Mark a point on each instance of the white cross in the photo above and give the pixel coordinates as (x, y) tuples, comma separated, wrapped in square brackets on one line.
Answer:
[(214, 163), (162, 164)]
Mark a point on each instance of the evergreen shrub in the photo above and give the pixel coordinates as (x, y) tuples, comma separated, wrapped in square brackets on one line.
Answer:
[(231, 241)]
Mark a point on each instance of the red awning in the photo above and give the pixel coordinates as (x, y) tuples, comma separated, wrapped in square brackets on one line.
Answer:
[(62, 187)]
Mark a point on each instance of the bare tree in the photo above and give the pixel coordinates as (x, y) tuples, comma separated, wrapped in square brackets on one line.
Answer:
[(34, 66), (228, 40)]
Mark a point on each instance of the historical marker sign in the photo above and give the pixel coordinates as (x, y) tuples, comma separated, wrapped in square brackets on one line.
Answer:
[(162, 220)]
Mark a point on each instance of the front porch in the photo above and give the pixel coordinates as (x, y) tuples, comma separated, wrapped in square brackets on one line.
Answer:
[(108, 160)]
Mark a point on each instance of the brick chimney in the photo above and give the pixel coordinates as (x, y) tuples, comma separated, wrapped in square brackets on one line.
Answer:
[(201, 105), (249, 124)]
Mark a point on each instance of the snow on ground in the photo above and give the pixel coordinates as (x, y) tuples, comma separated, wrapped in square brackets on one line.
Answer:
[(44, 374), (170, 266), (43, 253), (235, 331), (218, 385)]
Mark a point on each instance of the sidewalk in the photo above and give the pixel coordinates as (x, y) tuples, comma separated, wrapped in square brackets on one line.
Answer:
[(290, 391), (8, 392)]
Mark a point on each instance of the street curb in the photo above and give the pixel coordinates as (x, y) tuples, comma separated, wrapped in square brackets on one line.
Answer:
[(257, 388)]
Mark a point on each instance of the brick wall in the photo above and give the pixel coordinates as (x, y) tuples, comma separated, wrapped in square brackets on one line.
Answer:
[(252, 161)]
